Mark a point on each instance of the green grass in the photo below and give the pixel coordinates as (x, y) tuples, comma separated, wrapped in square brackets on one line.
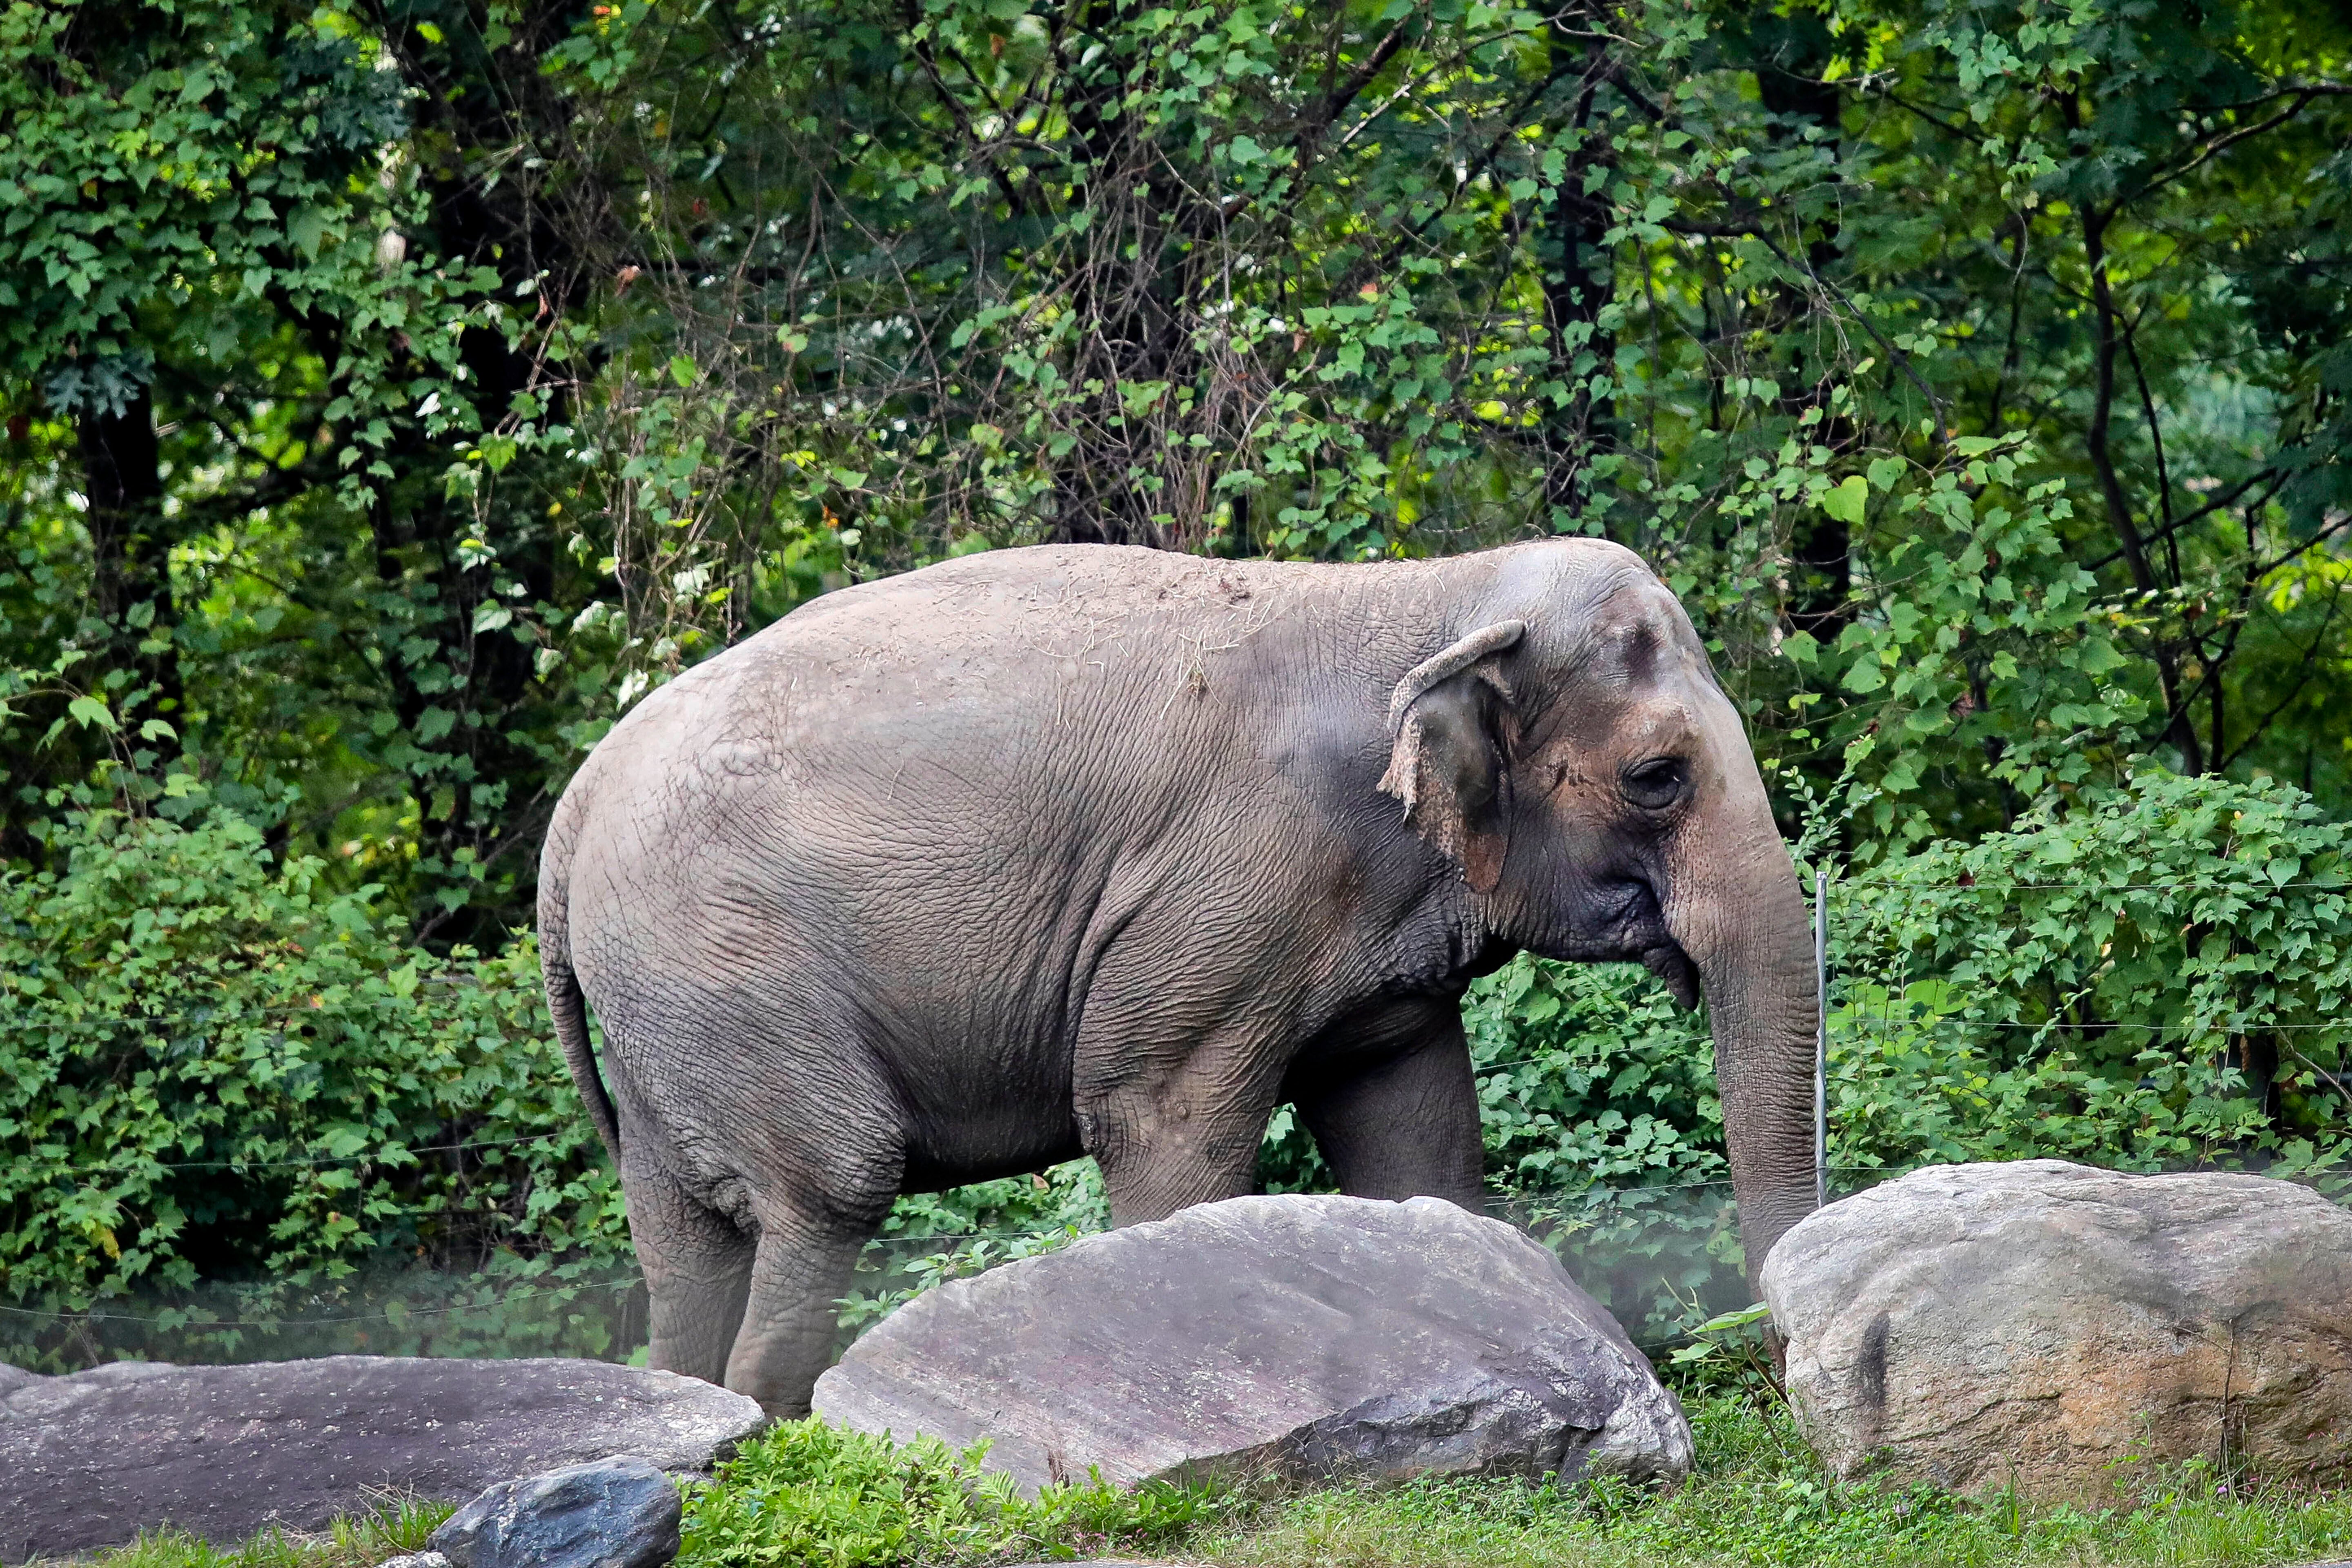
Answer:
[(806, 1496), (394, 1526), (806, 1493), (1760, 1498)]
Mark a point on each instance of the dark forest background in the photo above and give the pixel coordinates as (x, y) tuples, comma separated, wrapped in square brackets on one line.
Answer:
[(395, 392)]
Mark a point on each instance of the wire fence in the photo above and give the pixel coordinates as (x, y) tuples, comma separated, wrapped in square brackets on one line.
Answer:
[(1841, 1031)]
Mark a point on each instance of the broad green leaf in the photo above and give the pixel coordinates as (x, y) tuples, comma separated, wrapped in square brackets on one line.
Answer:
[(1848, 500)]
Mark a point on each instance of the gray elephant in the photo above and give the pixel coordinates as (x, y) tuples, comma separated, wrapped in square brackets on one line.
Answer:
[(1068, 850)]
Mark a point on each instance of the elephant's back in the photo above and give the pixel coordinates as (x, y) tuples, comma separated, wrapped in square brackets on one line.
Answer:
[(909, 812), (975, 662), (933, 775)]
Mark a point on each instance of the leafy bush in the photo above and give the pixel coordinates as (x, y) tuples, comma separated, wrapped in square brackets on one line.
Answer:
[(2146, 976), (861, 1309), (211, 1068), (806, 1493), (1604, 1137)]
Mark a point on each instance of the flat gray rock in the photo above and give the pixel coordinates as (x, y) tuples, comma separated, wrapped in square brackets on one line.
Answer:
[(2040, 1322), (225, 1452), (1309, 1336)]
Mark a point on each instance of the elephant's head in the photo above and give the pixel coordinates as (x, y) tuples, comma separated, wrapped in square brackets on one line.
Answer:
[(1572, 753)]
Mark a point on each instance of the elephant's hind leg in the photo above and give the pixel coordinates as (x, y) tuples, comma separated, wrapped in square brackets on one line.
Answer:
[(698, 1267), (1187, 1133), (791, 1319)]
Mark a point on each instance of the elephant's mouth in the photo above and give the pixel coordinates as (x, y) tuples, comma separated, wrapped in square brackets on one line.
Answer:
[(1673, 965), (1621, 921)]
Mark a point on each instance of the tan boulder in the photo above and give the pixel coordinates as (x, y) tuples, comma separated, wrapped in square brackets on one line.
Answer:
[(2045, 1323)]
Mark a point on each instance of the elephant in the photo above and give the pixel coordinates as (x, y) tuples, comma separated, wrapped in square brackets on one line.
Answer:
[(1088, 849)]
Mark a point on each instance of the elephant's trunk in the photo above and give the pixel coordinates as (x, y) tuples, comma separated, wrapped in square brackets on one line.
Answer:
[(1739, 918)]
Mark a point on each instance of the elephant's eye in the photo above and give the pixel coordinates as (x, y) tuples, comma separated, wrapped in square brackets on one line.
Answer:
[(1655, 784)]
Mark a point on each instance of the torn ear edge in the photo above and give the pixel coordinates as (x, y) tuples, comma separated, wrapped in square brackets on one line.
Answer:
[(1455, 784)]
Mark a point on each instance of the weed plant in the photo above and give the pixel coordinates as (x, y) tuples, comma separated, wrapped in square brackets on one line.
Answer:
[(806, 1493)]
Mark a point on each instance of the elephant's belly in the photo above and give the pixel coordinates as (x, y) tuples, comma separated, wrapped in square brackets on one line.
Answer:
[(980, 1104), (1017, 1151)]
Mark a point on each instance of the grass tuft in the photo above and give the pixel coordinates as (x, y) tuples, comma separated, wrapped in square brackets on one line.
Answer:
[(806, 1493), (394, 1526)]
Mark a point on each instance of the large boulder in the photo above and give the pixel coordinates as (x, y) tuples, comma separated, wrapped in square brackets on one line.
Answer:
[(2036, 1323), (1309, 1336), (223, 1452)]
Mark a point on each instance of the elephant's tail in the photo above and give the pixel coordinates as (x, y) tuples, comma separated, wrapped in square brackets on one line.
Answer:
[(565, 1003)]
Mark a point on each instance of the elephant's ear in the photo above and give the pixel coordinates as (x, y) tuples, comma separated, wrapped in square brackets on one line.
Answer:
[(1452, 727)]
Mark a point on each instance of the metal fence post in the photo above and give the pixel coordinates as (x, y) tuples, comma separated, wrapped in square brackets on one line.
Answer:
[(1821, 1039)]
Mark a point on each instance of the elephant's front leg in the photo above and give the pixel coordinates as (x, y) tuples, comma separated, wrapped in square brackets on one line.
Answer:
[(1408, 1125), (1171, 1130)]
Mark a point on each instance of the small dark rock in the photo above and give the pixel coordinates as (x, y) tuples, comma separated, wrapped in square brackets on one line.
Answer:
[(621, 1512)]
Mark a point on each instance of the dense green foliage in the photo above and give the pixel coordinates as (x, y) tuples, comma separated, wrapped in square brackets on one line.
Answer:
[(1976, 369), (214, 1066), (808, 1497), (395, 392), (2155, 976)]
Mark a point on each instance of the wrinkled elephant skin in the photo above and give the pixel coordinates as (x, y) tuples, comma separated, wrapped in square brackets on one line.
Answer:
[(1082, 849)]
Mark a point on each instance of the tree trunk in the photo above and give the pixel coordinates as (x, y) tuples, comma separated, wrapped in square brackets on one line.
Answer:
[(1579, 281), (130, 552)]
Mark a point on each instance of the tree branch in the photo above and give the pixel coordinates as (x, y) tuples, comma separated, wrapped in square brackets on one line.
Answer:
[(2111, 486), (2225, 499), (2302, 99), (2310, 667), (1896, 356), (1337, 100)]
